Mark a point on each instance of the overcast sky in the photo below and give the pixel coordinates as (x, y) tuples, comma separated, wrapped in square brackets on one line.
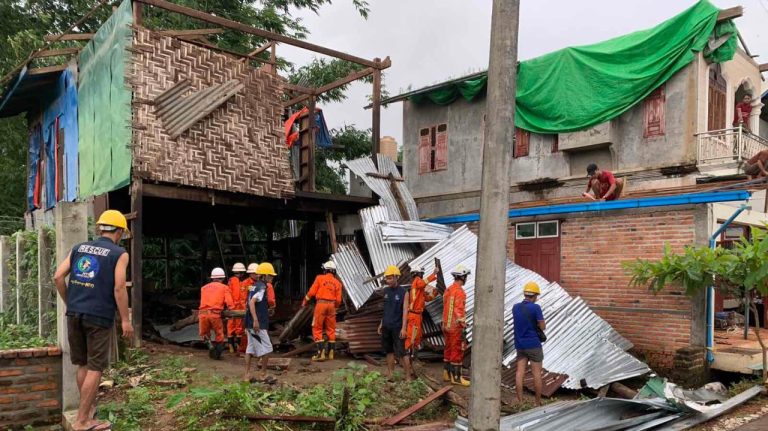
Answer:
[(432, 40)]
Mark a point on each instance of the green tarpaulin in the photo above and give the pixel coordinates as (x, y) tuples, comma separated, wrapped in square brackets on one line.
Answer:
[(580, 87), (104, 111)]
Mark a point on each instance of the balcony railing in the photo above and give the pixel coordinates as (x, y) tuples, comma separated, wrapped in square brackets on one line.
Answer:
[(728, 145)]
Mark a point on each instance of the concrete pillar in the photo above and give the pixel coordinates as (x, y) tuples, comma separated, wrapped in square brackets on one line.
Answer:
[(5, 286), (46, 294), (19, 275), (71, 221)]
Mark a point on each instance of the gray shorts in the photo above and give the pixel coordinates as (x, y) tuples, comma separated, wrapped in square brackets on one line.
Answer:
[(533, 355), (258, 346)]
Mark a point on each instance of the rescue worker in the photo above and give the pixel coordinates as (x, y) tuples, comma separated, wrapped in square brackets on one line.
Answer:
[(214, 296), (420, 293), (261, 302), (326, 290), (392, 325), (239, 294), (454, 325)]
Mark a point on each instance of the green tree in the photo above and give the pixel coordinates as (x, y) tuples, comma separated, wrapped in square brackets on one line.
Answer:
[(744, 267), (348, 143)]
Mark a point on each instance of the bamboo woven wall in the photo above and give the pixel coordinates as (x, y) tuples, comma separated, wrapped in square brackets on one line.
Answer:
[(239, 147)]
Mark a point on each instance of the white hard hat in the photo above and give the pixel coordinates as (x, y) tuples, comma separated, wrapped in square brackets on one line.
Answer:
[(218, 273), (252, 268), (329, 266), (417, 268), (238, 267), (460, 271)]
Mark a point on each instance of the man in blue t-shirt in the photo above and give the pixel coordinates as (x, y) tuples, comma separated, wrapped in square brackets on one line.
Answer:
[(527, 316)]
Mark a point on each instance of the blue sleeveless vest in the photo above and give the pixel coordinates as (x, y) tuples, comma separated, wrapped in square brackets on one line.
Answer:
[(91, 288), (262, 307)]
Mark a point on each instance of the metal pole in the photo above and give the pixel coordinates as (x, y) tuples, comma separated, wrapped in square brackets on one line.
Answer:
[(487, 333)]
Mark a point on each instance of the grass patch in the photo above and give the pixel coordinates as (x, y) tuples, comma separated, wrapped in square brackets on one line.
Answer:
[(128, 415), (742, 385)]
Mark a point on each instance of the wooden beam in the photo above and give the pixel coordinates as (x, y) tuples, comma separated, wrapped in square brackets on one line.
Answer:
[(196, 40), (299, 89), (70, 36), (193, 13), (48, 69), (730, 13), (389, 177), (56, 52), (331, 231), (194, 32), (137, 244), (261, 49), (312, 140), (376, 115), (763, 67), (336, 84), (394, 420)]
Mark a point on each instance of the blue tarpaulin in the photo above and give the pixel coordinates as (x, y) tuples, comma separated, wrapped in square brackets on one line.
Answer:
[(35, 139)]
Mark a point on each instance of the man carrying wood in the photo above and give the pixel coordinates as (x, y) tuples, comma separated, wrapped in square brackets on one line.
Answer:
[(326, 290), (392, 326), (454, 325), (602, 185), (214, 296), (239, 293), (756, 165), (260, 301), (420, 293)]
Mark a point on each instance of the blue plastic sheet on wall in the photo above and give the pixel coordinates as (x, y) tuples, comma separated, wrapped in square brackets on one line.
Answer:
[(35, 139)]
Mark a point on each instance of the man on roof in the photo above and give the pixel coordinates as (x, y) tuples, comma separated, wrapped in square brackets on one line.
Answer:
[(602, 185)]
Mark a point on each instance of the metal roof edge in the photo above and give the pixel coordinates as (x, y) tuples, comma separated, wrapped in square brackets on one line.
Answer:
[(662, 201)]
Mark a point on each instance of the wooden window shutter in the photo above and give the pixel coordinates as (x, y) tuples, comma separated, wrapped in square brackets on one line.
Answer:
[(425, 151), (654, 113), (441, 148), (556, 143), (522, 139)]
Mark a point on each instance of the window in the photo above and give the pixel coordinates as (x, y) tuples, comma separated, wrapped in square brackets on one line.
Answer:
[(556, 143), (654, 113), (525, 230), (433, 148), (547, 229), (522, 142)]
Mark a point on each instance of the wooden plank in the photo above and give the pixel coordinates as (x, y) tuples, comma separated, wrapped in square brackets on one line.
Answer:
[(416, 407), (383, 177), (730, 13), (299, 89), (299, 350), (311, 144), (70, 36), (398, 197), (279, 364), (303, 419), (331, 231), (763, 67), (137, 243), (376, 115), (48, 69), (195, 40), (261, 49), (338, 83), (56, 52), (194, 32), (183, 10)]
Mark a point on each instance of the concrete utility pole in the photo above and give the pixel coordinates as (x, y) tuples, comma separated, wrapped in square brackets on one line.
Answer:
[(487, 335)]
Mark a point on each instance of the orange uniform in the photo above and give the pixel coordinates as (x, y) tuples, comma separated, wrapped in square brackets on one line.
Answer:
[(239, 292), (454, 315), (213, 297), (327, 291), (417, 298)]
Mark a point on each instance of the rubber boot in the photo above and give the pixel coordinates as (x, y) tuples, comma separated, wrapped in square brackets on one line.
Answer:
[(231, 343), (457, 377), (446, 372), (331, 348), (218, 349), (320, 356)]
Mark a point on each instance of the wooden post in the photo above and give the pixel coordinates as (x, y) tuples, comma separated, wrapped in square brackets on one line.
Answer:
[(71, 221), (331, 231), (167, 251), (376, 110), (312, 140), (46, 294), (273, 57), (138, 17), (5, 286), (19, 277), (137, 243)]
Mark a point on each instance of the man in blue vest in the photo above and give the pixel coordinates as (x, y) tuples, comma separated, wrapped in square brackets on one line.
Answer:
[(257, 322), (527, 317), (95, 290), (392, 327)]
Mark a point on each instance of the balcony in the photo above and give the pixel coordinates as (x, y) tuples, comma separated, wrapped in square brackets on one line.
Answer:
[(727, 148)]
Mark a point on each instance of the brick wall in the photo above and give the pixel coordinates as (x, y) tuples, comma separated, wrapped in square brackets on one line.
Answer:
[(592, 250), (30, 387)]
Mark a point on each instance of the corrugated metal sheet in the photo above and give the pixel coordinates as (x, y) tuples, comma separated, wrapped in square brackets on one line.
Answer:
[(382, 255), (551, 382), (399, 232), (581, 344), (382, 187), (179, 112), (353, 273)]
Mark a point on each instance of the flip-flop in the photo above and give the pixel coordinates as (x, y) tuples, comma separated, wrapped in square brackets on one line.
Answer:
[(103, 426)]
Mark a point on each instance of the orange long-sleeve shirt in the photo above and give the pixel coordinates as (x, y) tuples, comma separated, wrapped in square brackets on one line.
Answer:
[(327, 288), (214, 296), (239, 292), (454, 301), (419, 295)]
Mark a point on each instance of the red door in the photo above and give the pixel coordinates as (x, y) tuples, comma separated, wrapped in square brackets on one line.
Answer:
[(541, 255)]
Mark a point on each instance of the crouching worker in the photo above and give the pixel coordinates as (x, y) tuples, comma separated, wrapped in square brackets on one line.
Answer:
[(326, 290), (454, 325), (214, 296), (261, 300)]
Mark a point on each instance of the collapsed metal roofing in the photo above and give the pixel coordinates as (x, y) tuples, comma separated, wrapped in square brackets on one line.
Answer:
[(385, 188), (399, 232), (354, 273), (382, 254)]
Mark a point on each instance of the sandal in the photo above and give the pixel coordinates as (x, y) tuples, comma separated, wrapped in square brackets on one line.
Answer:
[(100, 426)]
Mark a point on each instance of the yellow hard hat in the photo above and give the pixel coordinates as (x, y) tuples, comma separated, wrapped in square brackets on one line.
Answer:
[(113, 218), (265, 268), (392, 270), (531, 288)]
